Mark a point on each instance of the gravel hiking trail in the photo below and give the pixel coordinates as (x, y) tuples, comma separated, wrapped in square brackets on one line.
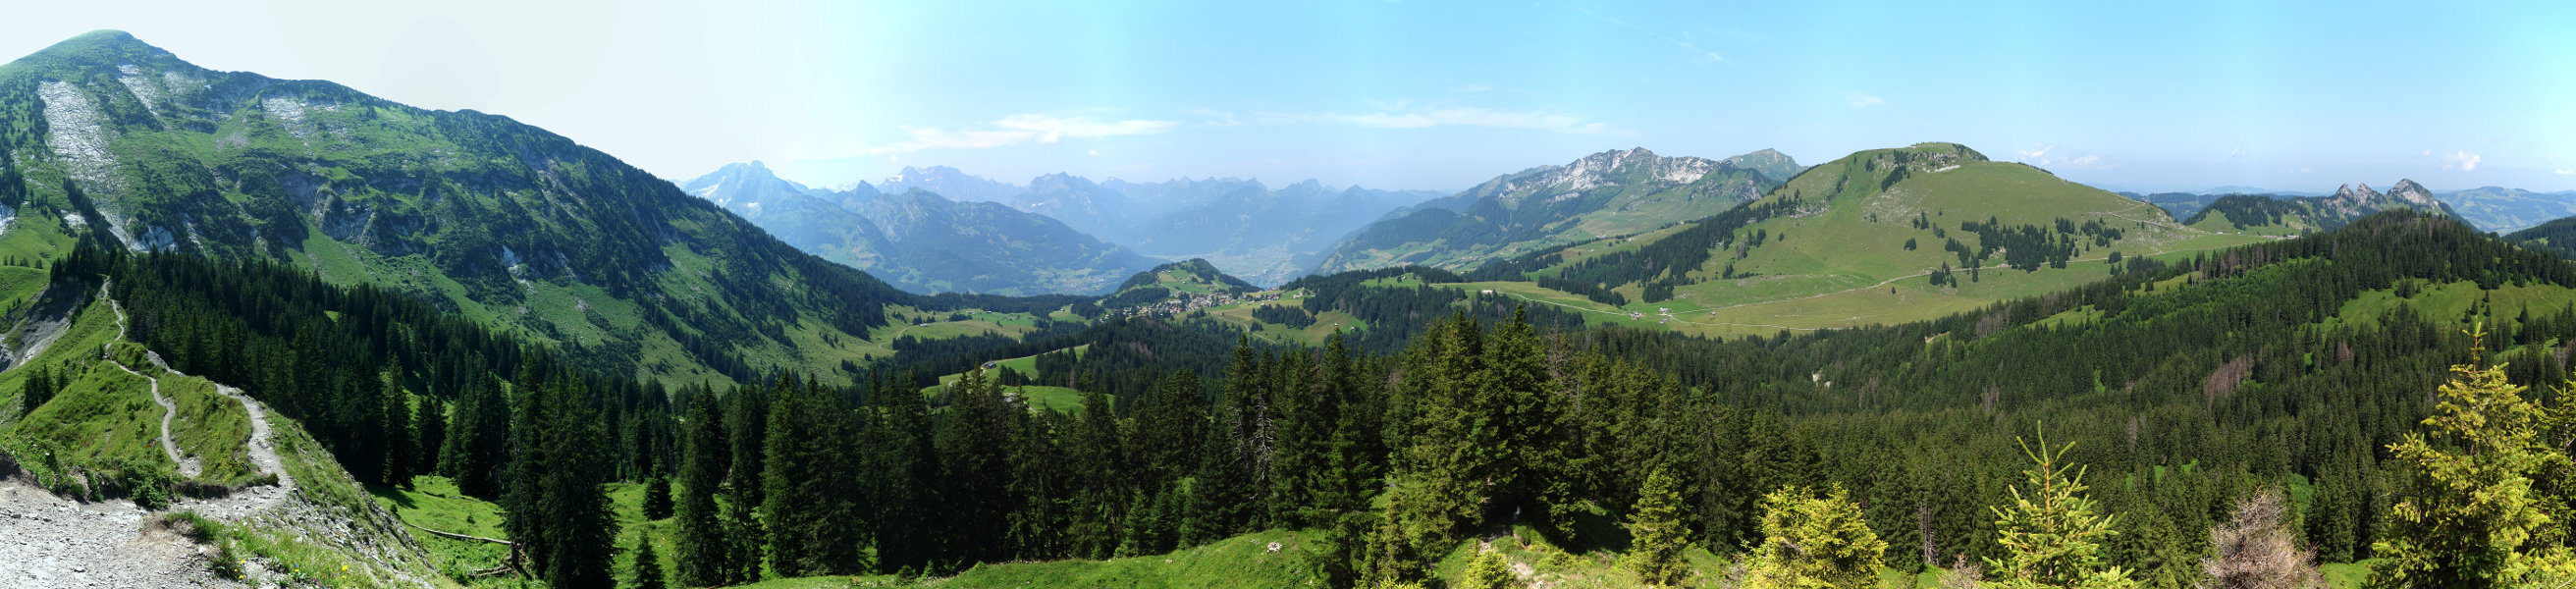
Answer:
[(51, 541)]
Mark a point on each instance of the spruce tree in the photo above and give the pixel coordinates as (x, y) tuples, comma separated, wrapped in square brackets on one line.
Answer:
[(401, 440), (430, 420), (2470, 515), (2050, 534), (807, 484), (1812, 540), (747, 421), (479, 440), (706, 552), (1092, 445), (647, 572), (899, 473), (975, 498), (1219, 491), (1657, 536), (657, 498), (580, 542)]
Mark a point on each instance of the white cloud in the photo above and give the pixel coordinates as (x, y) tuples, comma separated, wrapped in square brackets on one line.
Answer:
[(2307, 170), (2238, 154), (2565, 171), (2463, 161), (2040, 156), (1464, 116), (1020, 129), (1859, 100), (1095, 153)]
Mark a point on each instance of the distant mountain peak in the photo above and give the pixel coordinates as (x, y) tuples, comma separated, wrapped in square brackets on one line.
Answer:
[(1779, 167), (2407, 190)]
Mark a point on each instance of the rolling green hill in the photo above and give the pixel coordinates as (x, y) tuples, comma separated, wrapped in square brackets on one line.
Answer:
[(2508, 209), (1608, 193), (506, 223), (1879, 237)]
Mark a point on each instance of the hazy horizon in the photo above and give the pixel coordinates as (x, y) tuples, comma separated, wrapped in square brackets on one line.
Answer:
[(2297, 97)]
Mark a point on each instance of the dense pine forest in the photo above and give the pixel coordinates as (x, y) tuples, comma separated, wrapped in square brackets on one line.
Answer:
[(2112, 427)]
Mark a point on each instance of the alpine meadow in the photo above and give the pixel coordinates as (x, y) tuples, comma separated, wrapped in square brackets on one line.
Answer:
[(1345, 295)]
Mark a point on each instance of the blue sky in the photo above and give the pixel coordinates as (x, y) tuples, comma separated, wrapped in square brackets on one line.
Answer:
[(2177, 95)]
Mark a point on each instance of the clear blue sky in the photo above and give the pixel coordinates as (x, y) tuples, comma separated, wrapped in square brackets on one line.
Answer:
[(1413, 94)]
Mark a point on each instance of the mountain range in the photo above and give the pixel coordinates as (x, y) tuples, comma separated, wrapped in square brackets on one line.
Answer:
[(1244, 226), (2489, 208), (1609, 193), (920, 241), (2270, 215)]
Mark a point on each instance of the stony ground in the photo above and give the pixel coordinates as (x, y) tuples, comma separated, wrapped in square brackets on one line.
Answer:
[(52, 542)]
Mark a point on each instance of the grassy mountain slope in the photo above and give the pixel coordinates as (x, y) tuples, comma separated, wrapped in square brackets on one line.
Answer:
[(1608, 193), (506, 223), (1830, 248), (920, 241)]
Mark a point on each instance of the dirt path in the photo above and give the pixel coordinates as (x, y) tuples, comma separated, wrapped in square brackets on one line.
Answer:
[(189, 466), (49, 541)]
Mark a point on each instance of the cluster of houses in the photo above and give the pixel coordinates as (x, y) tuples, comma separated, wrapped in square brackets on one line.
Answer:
[(1181, 303)]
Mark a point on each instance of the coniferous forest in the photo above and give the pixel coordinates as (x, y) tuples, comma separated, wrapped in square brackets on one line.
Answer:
[(2194, 391)]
